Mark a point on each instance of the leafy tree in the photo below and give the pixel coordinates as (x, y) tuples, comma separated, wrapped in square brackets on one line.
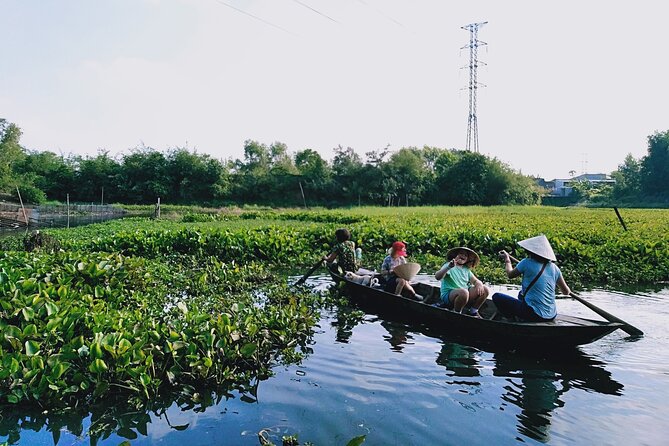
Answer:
[(195, 178), (100, 178), (250, 179), (655, 166), (11, 154), (52, 174), (347, 167), (144, 176), (408, 171), (628, 178), (315, 173)]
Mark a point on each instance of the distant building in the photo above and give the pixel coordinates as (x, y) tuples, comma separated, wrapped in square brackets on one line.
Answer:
[(560, 187)]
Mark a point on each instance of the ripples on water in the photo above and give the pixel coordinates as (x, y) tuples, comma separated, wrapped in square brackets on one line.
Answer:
[(402, 384)]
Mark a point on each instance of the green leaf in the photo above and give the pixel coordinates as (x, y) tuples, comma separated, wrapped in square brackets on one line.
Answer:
[(96, 351), (51, 308), (248, 349), (32, 347), (28, 313), (356, 441), (98, 366)]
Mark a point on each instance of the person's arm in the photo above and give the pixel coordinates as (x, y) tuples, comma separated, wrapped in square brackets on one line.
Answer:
[(444, 270), (331, 258), (478, 285), (385, 268), (563, 285), (511, 272)]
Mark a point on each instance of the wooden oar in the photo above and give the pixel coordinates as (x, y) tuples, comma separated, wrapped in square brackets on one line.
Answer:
[(627, 328), (311, 271)]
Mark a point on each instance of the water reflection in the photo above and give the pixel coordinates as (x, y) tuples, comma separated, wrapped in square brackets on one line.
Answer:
[(398, 335), (536, 385), (459, 359), (345, 319), (116, 416)]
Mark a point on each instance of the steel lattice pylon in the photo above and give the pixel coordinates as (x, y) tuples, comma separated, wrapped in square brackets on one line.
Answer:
[(472, 122)]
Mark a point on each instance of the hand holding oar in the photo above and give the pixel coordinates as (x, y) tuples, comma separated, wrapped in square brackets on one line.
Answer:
[(311, 271), (627, 328)]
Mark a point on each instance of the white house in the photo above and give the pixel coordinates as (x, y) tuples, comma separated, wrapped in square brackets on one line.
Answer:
[(560, 187)]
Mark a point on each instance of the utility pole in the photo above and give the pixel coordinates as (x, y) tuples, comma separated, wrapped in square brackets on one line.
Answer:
[(472, 123)]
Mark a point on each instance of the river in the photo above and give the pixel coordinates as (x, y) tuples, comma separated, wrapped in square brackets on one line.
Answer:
[(399, 384)]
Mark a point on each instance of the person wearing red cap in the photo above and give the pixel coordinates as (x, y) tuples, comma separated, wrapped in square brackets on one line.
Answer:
[(392, 283)]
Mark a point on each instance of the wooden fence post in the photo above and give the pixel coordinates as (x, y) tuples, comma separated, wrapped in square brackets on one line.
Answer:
[(25, 216)]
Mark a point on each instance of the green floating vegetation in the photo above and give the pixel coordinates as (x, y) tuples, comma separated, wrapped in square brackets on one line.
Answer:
[(76, 326)]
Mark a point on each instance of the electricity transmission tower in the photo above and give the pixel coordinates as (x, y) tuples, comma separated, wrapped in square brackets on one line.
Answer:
[(472, 123)]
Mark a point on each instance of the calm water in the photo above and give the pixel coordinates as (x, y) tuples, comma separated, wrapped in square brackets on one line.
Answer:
[(403, 385)]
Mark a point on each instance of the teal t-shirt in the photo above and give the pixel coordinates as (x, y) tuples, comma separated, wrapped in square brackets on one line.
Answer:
[(456, 277)]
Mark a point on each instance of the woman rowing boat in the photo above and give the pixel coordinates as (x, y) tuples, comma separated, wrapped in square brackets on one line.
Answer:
[(536, 300)]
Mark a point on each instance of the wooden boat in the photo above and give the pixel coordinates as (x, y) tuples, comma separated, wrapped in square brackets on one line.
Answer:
[(563, 332)]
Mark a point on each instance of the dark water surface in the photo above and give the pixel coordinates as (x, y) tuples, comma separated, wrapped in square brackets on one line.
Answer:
[(408, 385)]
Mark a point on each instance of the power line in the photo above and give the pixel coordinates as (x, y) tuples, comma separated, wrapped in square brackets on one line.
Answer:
[(255, 17), (316, 11), (378, 11)]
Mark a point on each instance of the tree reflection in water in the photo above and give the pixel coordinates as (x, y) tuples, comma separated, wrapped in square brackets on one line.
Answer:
[(121, 417)]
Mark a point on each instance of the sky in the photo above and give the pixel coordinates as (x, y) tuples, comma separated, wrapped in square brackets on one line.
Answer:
[(570, 86)]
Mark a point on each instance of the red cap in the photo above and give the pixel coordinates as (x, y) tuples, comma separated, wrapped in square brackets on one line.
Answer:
[(400, 248)]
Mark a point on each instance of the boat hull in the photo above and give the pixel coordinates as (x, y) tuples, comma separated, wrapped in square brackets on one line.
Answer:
[(564, 332)]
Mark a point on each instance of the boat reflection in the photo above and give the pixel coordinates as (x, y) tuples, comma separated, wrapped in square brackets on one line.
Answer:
[(398, 335), (536, 385)]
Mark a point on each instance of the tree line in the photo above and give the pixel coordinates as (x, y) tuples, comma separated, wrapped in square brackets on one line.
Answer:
[(270, 174), (265, 175)]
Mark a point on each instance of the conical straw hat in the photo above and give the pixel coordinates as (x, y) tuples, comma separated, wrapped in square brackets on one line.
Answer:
[(538, 245), (407, 271), (453, 252)]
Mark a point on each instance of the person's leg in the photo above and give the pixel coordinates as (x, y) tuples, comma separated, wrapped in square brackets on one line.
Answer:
[(458, 298), (390, 285), (408, 290), (476, 301), (507, 305), (401, 283), (528, 314)]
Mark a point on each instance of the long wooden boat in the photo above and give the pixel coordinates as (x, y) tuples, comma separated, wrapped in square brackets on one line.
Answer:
[(563, 332)]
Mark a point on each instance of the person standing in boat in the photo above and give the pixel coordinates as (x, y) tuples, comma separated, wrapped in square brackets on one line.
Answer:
[(391, 282), (343, 252), (460, 288), (536, 300)]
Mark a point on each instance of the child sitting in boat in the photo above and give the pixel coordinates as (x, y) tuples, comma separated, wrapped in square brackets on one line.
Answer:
[(391, 282), (343, 252), (459, 286)]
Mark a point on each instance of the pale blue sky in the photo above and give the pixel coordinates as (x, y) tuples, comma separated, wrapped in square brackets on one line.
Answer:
[(571, 85)]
